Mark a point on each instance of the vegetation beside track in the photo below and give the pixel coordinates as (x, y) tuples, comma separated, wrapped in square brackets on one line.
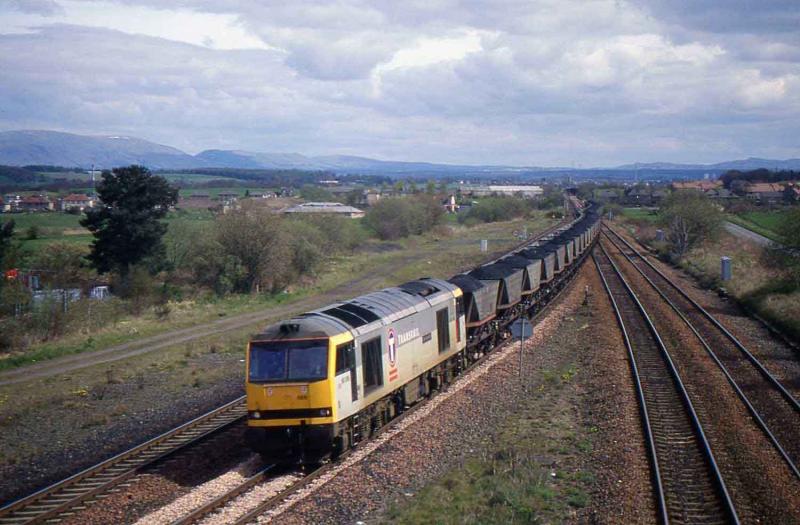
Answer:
[(762, 282)]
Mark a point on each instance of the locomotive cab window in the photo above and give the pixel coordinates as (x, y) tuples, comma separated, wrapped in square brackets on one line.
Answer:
[(443, 330), (371, 360), (345, 357), (272, 361)]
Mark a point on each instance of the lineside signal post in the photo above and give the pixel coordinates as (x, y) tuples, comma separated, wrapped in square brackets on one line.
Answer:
[(524, 328)]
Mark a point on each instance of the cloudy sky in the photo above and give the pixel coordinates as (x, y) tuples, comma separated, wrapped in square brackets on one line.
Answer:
[(534, 82)]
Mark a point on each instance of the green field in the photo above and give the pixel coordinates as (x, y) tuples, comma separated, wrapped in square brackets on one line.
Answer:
[(641, 214), (767, 223), (64, 227), (214, 192), (192, 178)]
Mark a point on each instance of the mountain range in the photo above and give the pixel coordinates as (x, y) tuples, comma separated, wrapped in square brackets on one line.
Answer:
[(39, 147)]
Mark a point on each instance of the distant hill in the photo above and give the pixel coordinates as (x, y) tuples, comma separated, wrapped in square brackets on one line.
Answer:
[(20, 148), (751, 163)]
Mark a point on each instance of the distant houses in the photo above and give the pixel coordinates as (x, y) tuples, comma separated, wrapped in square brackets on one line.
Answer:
[(697, 185), (528, 191), (764, 191), (75, 201), (11, 203), (32, 203)]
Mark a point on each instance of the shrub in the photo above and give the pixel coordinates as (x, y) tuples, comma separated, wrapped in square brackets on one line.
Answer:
[(689, 218), (403, 216), (494, 209)]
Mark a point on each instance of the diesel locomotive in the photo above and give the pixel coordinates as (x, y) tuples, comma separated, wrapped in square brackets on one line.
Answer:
[(323, 381)]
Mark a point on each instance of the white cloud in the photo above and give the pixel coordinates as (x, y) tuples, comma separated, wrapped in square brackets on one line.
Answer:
[(427, 52), (501, 81), (213, 30)]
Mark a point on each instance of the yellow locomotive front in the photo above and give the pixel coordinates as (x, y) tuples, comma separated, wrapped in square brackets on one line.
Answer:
[(290, 392)]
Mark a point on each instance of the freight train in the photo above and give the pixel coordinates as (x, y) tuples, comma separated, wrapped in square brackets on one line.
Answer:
[(323, 381)]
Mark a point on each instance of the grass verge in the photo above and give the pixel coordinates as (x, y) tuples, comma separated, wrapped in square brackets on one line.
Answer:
[(524, 475)]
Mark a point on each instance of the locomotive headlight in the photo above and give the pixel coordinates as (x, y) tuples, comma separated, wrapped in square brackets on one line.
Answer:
[(324, 412), (255, 414)]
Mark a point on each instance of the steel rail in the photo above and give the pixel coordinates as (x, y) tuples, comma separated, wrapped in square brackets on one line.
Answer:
[(648, 430), (731, 380), (659, 364), (220, 501), (60, 497), (777, 384)]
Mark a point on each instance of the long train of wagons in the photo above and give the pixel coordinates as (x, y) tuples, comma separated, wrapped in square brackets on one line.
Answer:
[(321, 382)]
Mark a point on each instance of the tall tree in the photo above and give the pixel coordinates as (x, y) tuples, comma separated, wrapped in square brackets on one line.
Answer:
[(127, 226), (6, 240)]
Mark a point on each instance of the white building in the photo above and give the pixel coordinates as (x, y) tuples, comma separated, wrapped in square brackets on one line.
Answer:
[(475, 190), (333, 208)]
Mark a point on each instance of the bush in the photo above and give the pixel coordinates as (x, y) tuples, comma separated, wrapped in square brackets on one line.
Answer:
[(403, 216), (253, 249), (315, 193), (340, 234), (32, 232), (689, 218), (494, 209)]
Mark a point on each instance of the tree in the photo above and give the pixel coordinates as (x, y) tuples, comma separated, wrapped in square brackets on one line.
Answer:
[(259, 246), (181, 237), (127, 228), (62, 264), (315, 193), (6, 242), (400, 217), (689, 218)]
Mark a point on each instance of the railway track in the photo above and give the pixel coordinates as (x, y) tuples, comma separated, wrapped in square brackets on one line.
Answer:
[(688, 484), (771, 405), (64, 498)]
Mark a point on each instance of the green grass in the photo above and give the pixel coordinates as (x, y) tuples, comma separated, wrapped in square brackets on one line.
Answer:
[(641, 214), (195, 178), (64, 227), (55, 220), (766, 223), (513, 480), (131, 327), (214, 192)]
